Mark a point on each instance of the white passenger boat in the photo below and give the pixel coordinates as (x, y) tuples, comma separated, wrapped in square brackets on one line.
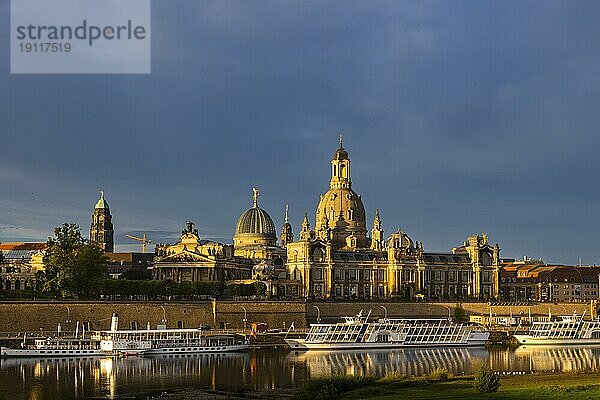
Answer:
[(53, 347), (358, 333), (166, 341), (567, 330)]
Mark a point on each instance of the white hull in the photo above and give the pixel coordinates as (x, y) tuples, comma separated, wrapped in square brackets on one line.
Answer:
[(301, 344), (51, 353), (541, 341), (196, 349)]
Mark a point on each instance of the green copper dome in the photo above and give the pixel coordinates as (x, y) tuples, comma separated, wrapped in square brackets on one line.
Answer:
[(102, 203)]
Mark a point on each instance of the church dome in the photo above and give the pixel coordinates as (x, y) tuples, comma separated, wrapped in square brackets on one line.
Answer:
[(255, 221), (345, 203), (255, 227), (341, 212)]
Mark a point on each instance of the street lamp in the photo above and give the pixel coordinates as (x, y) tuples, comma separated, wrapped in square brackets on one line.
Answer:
[(385, 313), (164, 320), (318, 314), (68, 320), (449, 311), (245, 317)]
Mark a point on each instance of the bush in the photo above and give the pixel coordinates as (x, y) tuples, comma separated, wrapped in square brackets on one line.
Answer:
[(460, 315), (438, 375), (392, 377), (486, 380), (330, 388)]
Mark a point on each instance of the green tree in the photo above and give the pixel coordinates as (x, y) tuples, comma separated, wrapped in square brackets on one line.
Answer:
[(486, 380), (137, 275), (73, 266)]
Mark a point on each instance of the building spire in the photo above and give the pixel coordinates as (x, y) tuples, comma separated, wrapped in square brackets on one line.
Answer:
[(305, 222), (102, 203), (287, 219), (341, 142), (255, 194)]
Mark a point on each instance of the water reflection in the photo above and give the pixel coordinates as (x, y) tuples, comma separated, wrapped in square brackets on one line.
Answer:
[(458, 360), (558, 359), (117, 377)]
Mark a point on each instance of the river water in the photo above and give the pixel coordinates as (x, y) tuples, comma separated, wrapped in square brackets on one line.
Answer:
[(121, 378)]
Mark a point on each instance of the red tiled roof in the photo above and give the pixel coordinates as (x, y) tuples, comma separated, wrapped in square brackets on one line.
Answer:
[(24, 246)]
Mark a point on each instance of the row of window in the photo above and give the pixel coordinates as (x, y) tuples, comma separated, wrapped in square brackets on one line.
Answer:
[(454, 276), (408, 275)]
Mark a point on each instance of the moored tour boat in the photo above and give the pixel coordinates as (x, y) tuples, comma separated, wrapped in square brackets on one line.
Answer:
[(166, 341), (55, 347), (357, 333), (567, 330)]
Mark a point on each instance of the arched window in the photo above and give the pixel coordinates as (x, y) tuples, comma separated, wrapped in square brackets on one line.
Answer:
[(342, 171), (351, 214), (318, 255), (335, 170)]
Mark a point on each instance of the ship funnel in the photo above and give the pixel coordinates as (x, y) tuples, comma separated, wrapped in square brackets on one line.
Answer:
[(114, 323)]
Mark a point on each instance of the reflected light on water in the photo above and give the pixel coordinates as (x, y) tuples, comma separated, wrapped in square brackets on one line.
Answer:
[(263, 370)]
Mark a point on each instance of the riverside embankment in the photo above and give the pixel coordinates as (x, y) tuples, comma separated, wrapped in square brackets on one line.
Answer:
[(31, 316)]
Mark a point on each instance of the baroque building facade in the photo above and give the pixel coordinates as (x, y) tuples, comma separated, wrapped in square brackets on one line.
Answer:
[(253, 257), (195, 260), (338, 259)]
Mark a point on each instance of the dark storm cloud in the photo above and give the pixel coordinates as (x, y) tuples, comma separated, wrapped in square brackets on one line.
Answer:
[(459, 117)]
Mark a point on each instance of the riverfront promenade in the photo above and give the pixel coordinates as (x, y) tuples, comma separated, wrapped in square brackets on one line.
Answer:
[(46, 315)]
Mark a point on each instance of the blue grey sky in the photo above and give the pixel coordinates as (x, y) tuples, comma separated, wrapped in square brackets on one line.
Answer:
[(459, 117)]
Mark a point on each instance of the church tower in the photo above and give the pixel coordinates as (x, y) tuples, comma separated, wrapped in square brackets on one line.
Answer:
[(287, 236), (101, 230)]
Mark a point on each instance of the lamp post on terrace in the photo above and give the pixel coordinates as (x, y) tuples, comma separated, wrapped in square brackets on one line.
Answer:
[(68, 320), (245, 320), (318, 314), (164, 320), (449, 311), (385, 313)]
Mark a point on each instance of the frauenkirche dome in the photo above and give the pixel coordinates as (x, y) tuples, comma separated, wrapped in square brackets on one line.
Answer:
[(341, 210)]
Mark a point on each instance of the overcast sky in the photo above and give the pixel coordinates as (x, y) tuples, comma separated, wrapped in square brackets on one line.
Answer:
[(459, 117)]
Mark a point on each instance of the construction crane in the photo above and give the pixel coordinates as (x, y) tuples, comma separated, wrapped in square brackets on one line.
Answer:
[(143, 240)]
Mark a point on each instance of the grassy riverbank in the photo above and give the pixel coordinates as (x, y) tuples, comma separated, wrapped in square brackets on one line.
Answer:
[(525, 387)]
